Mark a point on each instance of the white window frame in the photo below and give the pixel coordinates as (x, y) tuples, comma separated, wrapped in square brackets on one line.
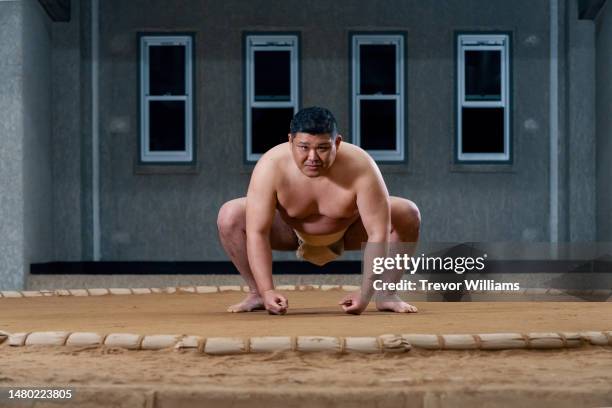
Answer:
[(483, 42), (268, 42), (146, 155), (383, 39)]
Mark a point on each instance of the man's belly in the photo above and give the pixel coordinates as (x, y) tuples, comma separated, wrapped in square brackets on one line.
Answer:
[(318, 224)]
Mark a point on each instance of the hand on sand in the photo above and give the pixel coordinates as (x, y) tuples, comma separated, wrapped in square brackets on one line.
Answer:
[(274, 302), (353, 303)]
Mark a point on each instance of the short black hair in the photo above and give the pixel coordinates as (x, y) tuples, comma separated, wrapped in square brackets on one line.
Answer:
[(315, 121)]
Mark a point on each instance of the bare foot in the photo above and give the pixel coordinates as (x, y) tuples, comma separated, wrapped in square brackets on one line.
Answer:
[(394, 304), (251, 302)]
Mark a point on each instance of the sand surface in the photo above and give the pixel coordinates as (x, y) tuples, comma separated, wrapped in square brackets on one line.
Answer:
[(310, 313), (112, 377), (121, 378)]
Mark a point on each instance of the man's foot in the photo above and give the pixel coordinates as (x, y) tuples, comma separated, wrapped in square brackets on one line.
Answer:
[(251, 302), (393, 303)]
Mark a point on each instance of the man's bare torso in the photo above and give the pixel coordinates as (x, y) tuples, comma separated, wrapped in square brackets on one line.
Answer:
[(318, 205)]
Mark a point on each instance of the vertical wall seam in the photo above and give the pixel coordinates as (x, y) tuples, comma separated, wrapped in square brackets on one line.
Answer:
[(95, 137), (554, 122)]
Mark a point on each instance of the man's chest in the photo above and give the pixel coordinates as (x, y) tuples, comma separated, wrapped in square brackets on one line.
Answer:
[(305, 202)]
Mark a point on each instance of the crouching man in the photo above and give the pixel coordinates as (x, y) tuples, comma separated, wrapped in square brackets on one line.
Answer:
[(319, 197)]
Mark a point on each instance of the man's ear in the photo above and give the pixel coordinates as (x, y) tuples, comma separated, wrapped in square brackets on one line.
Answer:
[(338, 140), (289, 137)]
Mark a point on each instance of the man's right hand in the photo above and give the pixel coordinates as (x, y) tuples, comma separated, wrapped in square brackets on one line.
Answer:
[(274, 302)]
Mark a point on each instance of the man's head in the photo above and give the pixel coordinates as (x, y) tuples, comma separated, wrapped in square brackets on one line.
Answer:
[(314, 140)]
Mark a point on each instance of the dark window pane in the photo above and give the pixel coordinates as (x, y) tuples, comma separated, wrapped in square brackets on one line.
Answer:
[(377, 69), (483, 75), (270, 127), (167, 125), (167, 70), (378, 125), (272, 75), (483, 130)]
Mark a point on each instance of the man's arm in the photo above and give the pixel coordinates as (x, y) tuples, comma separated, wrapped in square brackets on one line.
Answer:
[(260, 211), (373, 205), (375, 212)]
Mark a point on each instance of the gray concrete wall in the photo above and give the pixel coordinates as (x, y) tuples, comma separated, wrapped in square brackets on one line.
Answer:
[(67, 135), (11, 146), (25, 176), (604, 123), (37, 165), (172, 216), (581, 136)]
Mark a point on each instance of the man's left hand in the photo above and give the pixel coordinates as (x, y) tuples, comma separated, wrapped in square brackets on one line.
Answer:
[(353, 303)]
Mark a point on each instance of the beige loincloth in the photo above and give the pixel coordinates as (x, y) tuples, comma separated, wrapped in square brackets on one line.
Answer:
[(320, 249)]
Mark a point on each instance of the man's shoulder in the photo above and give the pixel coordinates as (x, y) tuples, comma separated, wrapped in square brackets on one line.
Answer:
[(356, 159), (271, 162)]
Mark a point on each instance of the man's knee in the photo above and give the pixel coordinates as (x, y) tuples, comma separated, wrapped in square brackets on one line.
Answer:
[(406, 219), (412, 213), (231, 216)]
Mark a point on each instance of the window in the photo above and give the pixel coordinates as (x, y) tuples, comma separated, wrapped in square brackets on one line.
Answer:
[(271, 90), (166, 99), (483, 108), (377, 104)]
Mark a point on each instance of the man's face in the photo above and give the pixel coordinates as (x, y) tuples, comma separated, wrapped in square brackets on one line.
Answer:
[(314, 154)]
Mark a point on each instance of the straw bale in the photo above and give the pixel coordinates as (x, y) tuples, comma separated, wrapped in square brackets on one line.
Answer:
[(394, 343), (78, 292), (230, 288), (553, 291), (601, 292), (157, 290), (47, 292), (270, 344), (545, 340), (189, 342), (159, 341), (120, 291), (141, 291), (169, 290), (84, 339), (426, 341), (308, 287), (31, 293), (330, 287), (536, 291), (286, 287), (318, 343), (11, 294), (502, 341), (186, 289), (98, 292), (50, 338), (224, 345), (123, 340), (206, 289), (459, 342), (595, 338), (3, 336), (17, 339), (351, 288), (246, 289), (572, 339), (362, 345), (577, 292), (62, 292)]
